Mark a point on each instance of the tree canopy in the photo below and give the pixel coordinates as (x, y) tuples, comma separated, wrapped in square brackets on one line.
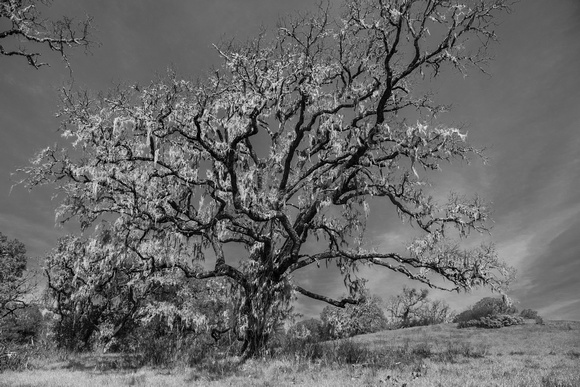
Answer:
[(294, 138)]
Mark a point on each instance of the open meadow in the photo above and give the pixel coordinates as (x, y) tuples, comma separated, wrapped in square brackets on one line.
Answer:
[(433, 356)]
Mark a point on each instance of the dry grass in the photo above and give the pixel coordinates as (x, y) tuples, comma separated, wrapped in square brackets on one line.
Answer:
[(518, 356)]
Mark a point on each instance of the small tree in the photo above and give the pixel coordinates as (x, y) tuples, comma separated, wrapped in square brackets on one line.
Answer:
[(290, 141), (15, 284), (24, 26), (364, 317), (437, 312), (413, 307), (404, 309)]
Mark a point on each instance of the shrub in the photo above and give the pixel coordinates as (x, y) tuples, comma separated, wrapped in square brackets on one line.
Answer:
[(414, 308), (310, 329), (22, 326), (15, 357), (495, 321), (365, 317), (159, 345), (485, 307), (529, 314), (532, 315)]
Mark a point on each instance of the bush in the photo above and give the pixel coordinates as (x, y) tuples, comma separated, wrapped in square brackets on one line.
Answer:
[(15, 357), (310, 329), (489, 322), (529, 314), (161, 345), (365, 317), (532, 315), (413, 308), (23, 326), (486, 307)]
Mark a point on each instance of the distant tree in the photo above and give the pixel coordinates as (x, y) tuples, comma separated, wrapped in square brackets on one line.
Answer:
[(529, 314), (24, 29), (290, 142), (405, 308), (532, 315), (413, 308), (354, 319), (310, 329), (437, 312), (15, 284)]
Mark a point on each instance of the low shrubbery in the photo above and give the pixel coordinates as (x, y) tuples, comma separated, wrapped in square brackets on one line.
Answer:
[(485, 307), (23, 326), (495, 321), (489, 313)]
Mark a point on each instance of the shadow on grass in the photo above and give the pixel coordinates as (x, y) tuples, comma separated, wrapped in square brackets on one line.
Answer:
[(104, 363)]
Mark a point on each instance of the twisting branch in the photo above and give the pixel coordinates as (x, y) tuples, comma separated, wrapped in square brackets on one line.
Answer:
[(27, 29), (338, 303)]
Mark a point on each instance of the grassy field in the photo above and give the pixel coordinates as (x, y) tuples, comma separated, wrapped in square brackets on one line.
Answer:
[(436, 356)]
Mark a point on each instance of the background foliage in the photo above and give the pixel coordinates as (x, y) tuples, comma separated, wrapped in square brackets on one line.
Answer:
[(413, 307)]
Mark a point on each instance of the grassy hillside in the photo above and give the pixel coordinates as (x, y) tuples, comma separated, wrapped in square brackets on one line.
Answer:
[(436, 356)]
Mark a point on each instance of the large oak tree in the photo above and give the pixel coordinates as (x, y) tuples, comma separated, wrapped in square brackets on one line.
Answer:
[(294, 138)]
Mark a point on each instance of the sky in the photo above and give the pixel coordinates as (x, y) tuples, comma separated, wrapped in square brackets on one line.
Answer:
[(525, 111)]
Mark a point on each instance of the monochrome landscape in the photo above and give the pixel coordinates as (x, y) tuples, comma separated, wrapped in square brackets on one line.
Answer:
[(357, 192)]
